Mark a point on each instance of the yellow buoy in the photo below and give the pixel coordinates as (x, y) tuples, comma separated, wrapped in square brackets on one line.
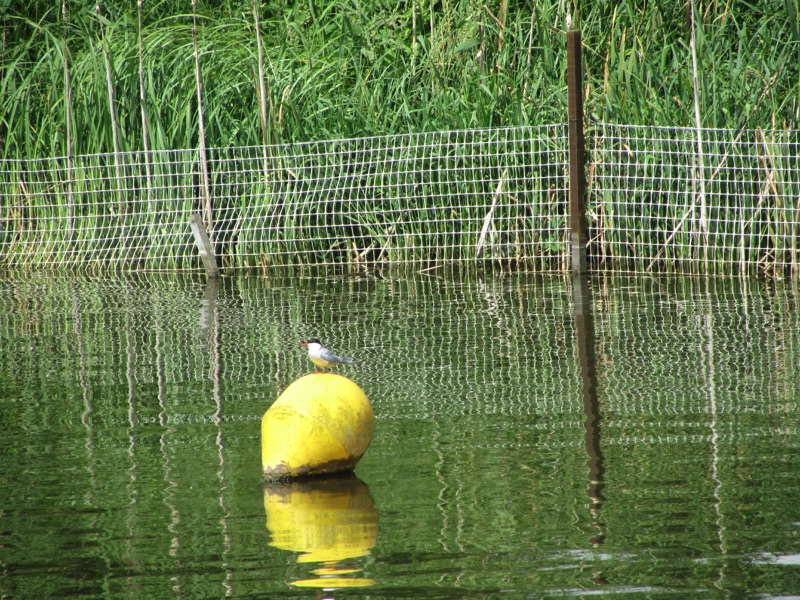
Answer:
[(321, 423)]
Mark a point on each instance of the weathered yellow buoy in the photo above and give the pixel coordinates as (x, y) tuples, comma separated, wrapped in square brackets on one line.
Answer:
[(321, 423)]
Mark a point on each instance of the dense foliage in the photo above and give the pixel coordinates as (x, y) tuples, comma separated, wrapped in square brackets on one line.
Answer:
[(344, 68)]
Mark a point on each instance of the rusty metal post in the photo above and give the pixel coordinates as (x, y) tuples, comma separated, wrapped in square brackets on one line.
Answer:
[(577, 154)]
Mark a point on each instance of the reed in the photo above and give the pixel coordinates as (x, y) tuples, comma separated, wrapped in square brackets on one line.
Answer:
[(339, 70)]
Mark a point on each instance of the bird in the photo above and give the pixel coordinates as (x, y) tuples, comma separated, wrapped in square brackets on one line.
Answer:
[(322, 357)]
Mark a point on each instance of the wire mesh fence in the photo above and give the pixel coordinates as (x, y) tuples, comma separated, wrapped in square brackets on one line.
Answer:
[(448, 196), (665, 199), (688, 200)]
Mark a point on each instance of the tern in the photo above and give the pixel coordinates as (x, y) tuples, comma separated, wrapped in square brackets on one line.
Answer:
[(322, 357)]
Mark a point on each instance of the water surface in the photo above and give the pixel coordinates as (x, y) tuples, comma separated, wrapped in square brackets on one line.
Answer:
[(638, 437)]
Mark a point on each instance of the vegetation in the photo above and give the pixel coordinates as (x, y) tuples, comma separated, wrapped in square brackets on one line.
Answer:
[(99, 80), (338, 69)]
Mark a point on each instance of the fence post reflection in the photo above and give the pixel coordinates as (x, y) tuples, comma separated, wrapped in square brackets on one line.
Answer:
[(210, 330), (584, 334)]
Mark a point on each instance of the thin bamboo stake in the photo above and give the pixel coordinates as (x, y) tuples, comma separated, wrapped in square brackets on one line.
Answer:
[(700, 167), (143, 109), (205, 186), (700, 172), (68, 119), (123, 238), (742, 249), (262, 91), (110, 85), (414, 37), (432, 45)]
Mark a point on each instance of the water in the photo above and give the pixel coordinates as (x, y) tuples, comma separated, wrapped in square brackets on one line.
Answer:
[(637, 439)]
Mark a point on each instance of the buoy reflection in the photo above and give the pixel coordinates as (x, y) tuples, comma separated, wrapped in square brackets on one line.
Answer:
[(329, 521)]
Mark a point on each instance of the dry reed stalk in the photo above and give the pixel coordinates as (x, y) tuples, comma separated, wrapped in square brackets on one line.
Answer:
[(68, 126), (205, 187), (261, 90), (112, 112), (700, 167), (143, 109)]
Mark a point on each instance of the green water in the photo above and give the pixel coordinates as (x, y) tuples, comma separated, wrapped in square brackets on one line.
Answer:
[(636, 438)]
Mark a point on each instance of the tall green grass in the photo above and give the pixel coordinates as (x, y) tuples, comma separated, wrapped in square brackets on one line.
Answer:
[(337, 69)]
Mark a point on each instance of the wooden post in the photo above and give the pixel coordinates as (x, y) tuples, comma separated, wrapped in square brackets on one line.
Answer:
[(204, 245), (577, 154)]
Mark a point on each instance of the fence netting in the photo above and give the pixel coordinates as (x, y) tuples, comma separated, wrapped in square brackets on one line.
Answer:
[(663, 199), (700, 201)]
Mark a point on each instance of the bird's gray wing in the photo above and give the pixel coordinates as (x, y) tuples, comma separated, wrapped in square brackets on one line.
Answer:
[(330, 357)]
